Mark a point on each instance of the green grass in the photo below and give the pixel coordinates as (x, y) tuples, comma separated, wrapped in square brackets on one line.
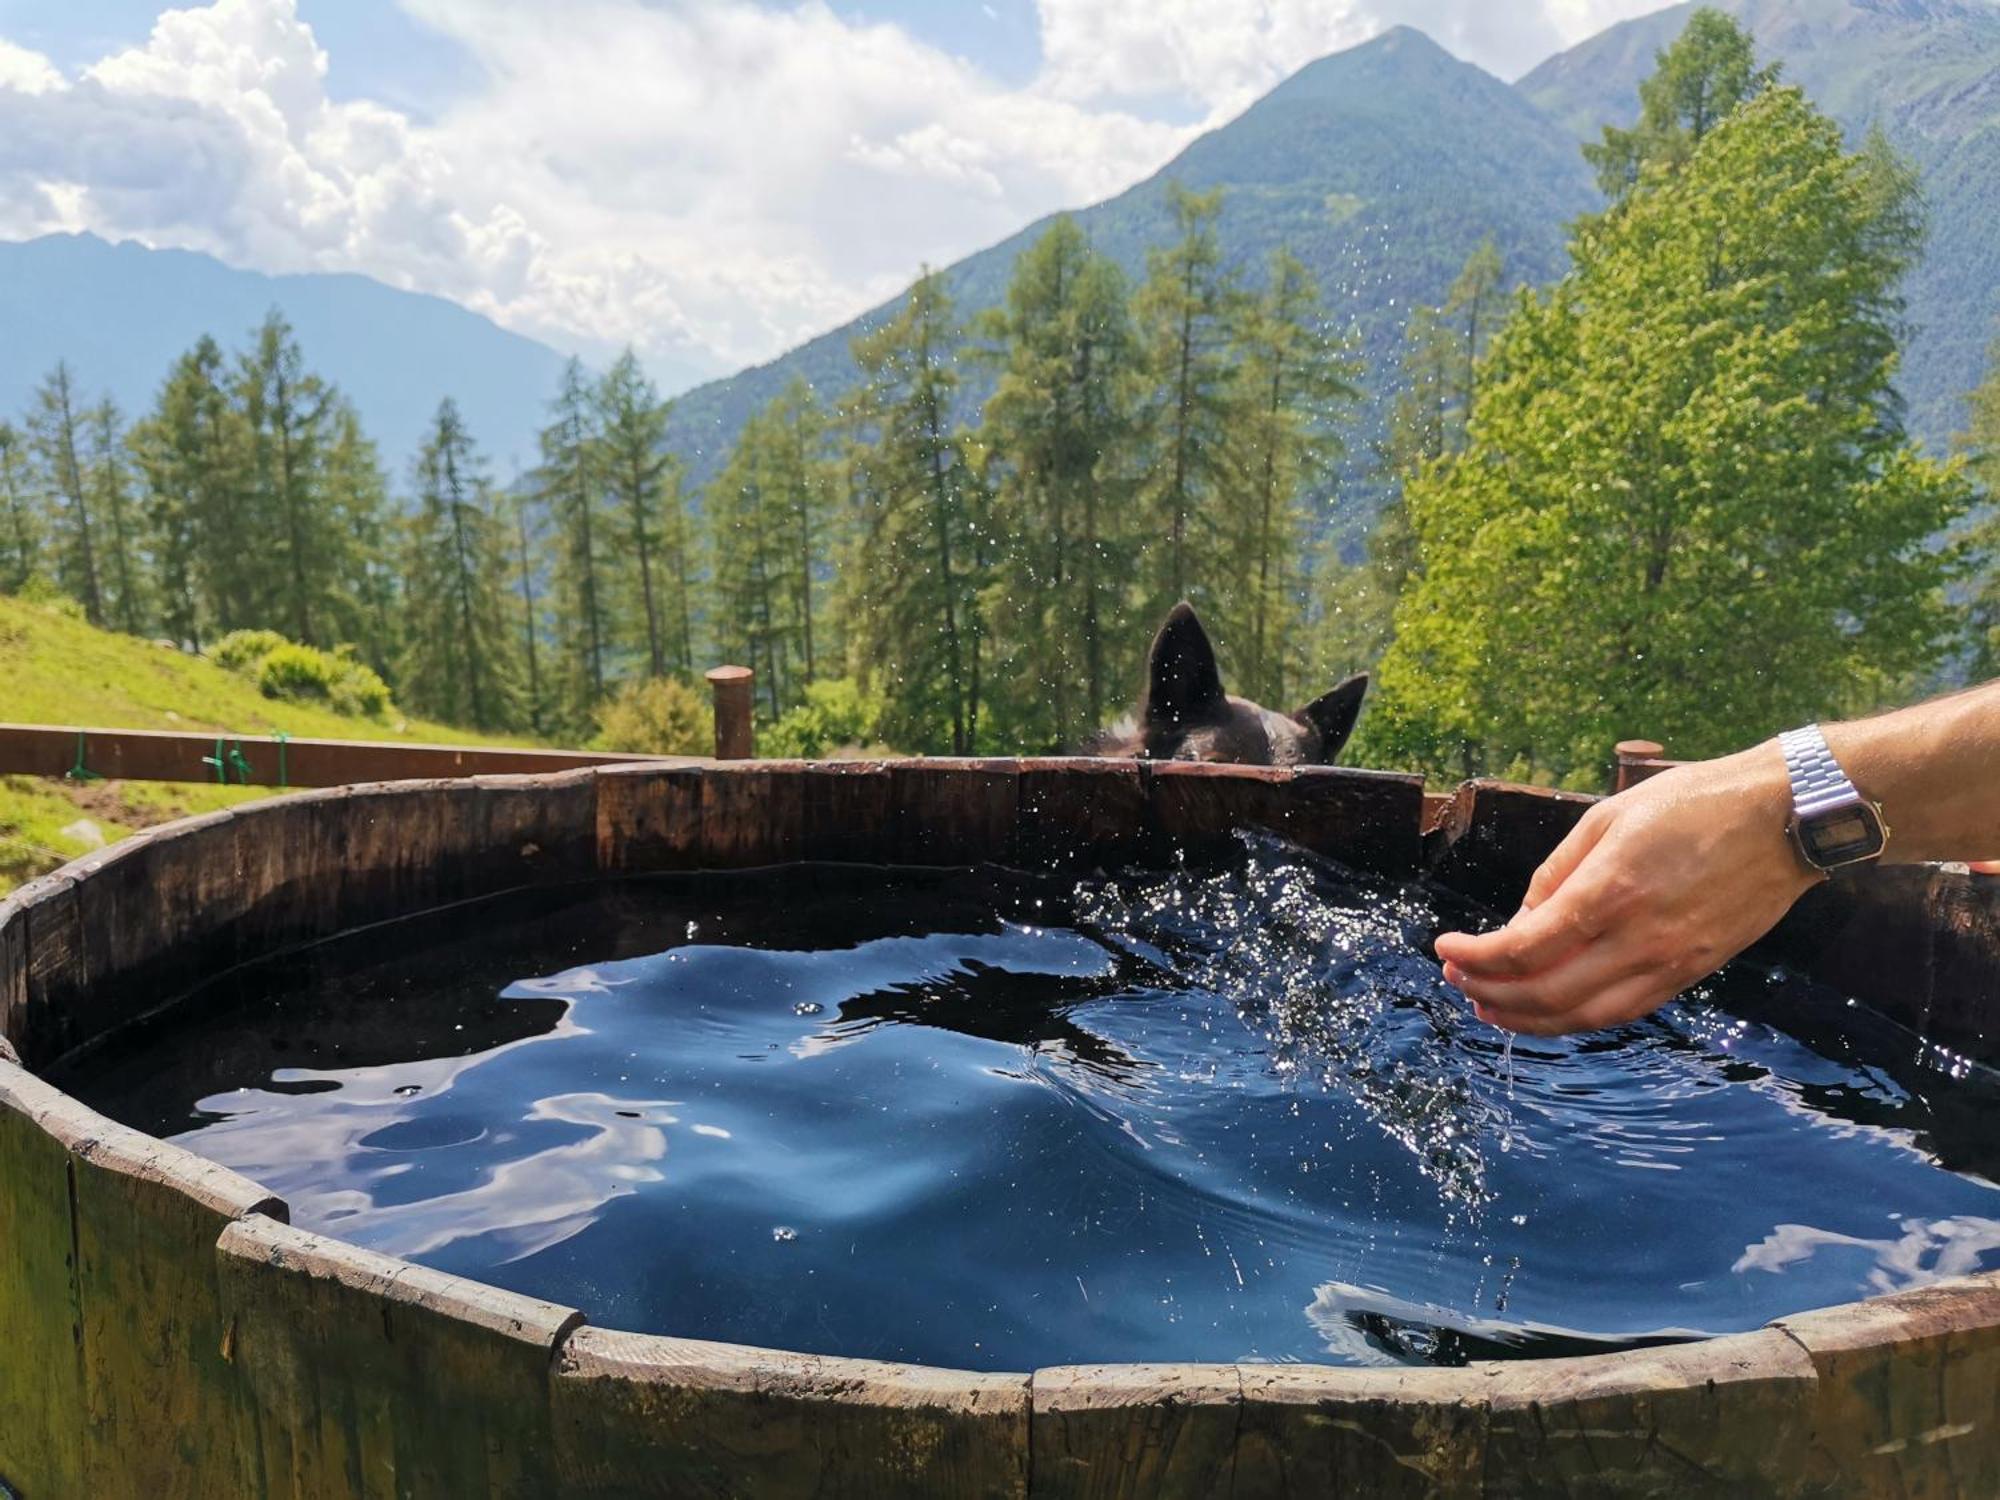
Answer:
[(55, 669)]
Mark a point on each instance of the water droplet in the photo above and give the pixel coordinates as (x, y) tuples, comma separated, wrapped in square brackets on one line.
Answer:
[(407, 1089), (807, 1008), (784, 1234)]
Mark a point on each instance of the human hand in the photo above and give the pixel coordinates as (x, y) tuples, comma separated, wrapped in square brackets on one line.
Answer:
[(1653, 890)]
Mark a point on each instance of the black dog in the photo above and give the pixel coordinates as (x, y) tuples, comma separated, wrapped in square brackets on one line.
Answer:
[(1185, 715)]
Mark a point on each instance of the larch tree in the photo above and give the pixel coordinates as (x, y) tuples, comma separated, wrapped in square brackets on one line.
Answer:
[(1687, 506), (20, 526), (582, 569), (1294, 390), (1980, 443), (747, 577), (1185, 310), (55, 435), (108, 478), (287, 411), (1060, 429), (458, 660), (643, 481), (1696, 83), (919, 499), (364, 592)]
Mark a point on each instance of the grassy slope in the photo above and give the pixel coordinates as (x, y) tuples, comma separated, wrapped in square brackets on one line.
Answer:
[(56, 670)]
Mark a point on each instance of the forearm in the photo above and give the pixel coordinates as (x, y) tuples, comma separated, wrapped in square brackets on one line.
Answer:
[(1935, 770)]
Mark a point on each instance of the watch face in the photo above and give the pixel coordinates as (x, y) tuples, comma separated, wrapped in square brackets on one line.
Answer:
[(1841, 837)]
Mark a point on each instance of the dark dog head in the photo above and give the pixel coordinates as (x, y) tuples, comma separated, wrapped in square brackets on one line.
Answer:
[(1185, 715)]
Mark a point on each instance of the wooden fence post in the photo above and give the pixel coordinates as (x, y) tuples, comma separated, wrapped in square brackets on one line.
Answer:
[(733, 737), (1634, 758)]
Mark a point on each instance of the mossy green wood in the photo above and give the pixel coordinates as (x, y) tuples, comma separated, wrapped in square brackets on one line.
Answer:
[(365, 1376), (41, 1375)]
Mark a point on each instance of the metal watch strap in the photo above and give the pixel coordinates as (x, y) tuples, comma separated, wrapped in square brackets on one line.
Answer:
[(1818, 783)]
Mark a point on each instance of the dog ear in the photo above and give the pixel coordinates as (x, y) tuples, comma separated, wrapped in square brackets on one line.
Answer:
[(1333, 715), (1183, 683)]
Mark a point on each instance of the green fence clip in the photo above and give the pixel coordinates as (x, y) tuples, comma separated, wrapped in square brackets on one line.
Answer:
[(221, 765), (238, 764), (79, 771), (228, 759)]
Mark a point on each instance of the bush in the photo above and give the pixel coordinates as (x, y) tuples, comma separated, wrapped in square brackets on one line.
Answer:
[(304, 674), (837, 714), (656, 716), (244, 650)]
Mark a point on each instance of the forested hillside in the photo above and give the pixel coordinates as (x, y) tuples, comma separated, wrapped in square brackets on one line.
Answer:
[(1382, 168), (1927, 72)]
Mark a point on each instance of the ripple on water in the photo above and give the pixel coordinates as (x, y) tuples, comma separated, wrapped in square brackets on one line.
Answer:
[(983, 1120)]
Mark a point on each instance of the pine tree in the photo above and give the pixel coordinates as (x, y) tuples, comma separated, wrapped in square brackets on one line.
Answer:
[(528, 544), (108, 478), (55, 433), (1060, 429), (1294, 387), (1687, 507), (569, 488), (20, 527), (459, 656), (1184, 310), (644, 485), (916, 617)]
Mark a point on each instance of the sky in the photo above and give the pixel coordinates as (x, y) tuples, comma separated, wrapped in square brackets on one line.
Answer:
[(708, 181)]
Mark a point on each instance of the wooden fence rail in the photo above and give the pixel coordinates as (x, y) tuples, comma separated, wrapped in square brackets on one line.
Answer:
[(265, 760)]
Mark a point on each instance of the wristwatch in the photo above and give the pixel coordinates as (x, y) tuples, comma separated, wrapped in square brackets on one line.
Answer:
[(1832, 823)]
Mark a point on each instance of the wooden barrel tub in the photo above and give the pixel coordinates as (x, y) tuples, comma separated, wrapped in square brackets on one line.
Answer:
[(164, 1332)]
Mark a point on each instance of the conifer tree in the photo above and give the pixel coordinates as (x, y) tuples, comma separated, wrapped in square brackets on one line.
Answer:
[(1980, 442), (459, 656), (916, 616), (1687, 506), (55, 431), (528, 544), (192, 452), (643, 480), (1696, 83), (363, 601), (108, 478), (769, 513), (1060, 429), (568, 486), (287, 409), (1294, 387), (20, 528), (1184, 310)]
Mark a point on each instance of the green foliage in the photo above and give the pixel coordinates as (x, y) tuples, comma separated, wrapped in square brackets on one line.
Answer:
[(286, 669), (1059, 434), (1980, 442), (1185, 311), (305, 672), (770, 512), (1710, 69), (643, 480), (1686, 507), (245, 650), (656, 716), (459, 662), (20, 524), (582, 573), (918, 505), (837, 713)]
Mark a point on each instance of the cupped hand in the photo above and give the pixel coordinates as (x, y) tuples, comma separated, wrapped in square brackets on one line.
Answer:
[(1654, 889)]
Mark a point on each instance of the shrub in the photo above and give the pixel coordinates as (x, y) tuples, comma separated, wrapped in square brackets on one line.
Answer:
[(245, 650), (838, 713), (655, 716), (303, 674)]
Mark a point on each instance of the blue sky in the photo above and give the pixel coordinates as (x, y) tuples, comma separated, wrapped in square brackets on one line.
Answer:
[(709, 181)]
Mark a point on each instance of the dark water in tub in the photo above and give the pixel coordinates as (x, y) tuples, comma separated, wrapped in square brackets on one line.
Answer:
[(982, 1121)]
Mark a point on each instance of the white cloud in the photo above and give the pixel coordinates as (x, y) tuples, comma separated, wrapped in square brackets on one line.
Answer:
[(711, 180)]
